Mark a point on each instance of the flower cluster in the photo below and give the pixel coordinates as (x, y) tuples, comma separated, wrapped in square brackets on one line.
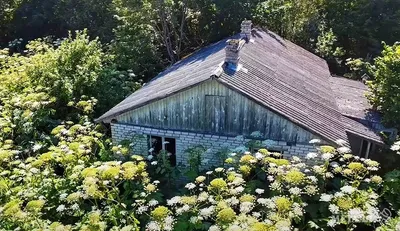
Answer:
[(288, 191)]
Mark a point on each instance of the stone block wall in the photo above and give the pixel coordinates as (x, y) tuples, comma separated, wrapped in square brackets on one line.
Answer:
[(185, 140)]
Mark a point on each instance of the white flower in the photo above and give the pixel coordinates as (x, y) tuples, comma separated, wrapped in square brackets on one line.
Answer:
[(315, 141), (356, 215), (156, 182), (203, 196), (325, 197), (260, 191), (313, 179), (75, 206), (190, 186), (174, 200), (246, 207), (219, 169), (296, 159), (154, 163), (207, 212), (311, 155), (259, 156), (214, 228), (256, 214), (153, 226), (209, 172), (344, 150), (398, 226), (153, 202), (151, 149), (60, 208), (239, 189), (63, 196), (333, 208), (295, 191), (194, 220), (36, 147), (327, 156), (150, 157), (373, 215), (347, 189), (142, 209), (332, 222), (34, 170), (233, 154), (169, 221)]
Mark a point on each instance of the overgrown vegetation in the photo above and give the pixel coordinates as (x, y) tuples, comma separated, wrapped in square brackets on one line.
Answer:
[(60, 171)]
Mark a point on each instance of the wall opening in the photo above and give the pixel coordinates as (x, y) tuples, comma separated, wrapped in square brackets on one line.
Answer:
[(159, 143)]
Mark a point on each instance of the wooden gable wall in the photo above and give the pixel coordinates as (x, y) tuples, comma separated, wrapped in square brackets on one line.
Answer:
[(210, 107)]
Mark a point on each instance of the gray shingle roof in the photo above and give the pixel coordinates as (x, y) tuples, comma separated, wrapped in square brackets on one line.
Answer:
[(275, 72), (350, 97), (352, 103)]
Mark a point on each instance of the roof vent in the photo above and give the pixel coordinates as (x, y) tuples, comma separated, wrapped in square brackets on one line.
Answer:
[(246, 30)]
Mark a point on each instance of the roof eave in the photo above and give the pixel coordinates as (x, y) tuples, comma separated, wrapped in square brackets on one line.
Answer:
[(108, 118)]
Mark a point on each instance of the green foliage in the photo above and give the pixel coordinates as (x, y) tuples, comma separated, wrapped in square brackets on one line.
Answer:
[(135, 45), (384, 87), (194, 161), (289, 18), (326, 42), (391, 189), (66, 185), (32, 19)]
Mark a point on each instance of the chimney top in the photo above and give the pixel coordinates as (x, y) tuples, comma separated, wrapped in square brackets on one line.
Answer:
[(232, 49), (246, 29), (233, 46)]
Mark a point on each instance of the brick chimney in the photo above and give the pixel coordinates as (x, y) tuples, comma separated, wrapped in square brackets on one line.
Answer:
[(233, 46), (246, 30), (232, 50)]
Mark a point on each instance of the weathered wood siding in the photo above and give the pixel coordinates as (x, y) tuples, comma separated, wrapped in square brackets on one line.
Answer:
[(211, 107)]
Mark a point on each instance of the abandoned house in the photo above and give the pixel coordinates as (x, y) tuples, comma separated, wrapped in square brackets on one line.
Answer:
[(255, 81)]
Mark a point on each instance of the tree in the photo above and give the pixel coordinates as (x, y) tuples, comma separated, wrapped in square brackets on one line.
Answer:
[(136, 45), (34, 19), (7, 8), (294, 20), (361, 25), (385, 87)]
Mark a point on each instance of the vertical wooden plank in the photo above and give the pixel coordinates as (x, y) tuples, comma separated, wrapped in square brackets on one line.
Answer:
[(222, 116), (216, 115), (209, 113)]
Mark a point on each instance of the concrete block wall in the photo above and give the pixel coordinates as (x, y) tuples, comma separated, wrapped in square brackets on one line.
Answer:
[(185, 140)]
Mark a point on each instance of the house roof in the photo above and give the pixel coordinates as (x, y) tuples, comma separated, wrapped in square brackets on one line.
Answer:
[(359, 118), (351, 100), (273, 71)]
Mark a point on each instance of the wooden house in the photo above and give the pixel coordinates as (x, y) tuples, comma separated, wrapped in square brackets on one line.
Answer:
[(255, 85)]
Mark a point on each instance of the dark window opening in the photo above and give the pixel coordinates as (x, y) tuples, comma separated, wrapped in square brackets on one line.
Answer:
[(365, 149), (158, 143), (170, 147)]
